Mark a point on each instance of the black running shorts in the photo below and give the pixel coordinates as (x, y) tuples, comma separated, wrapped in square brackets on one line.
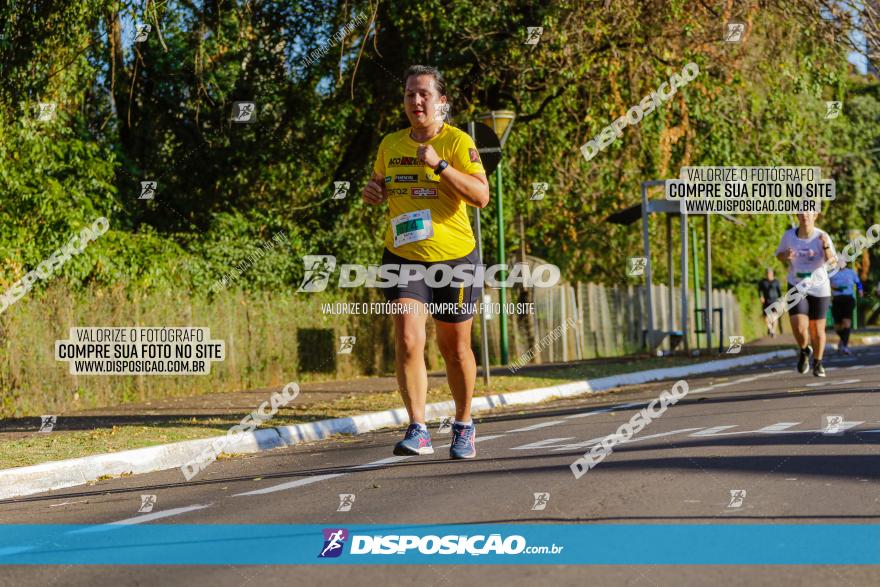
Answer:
[(815, 308), (463, 298), (842, 307)]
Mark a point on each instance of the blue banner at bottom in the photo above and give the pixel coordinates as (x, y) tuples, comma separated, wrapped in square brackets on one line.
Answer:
[(516, 544)]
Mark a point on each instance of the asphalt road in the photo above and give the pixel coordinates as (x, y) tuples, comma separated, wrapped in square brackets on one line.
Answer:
[(747, 446)]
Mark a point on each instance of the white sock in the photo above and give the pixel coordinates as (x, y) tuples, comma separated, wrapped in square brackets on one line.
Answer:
[(421, 425), (468, 423)]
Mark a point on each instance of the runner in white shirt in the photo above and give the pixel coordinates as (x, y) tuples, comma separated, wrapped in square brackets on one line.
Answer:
[(806, 249)]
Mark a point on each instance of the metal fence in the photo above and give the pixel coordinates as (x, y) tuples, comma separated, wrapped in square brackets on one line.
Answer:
[(608, 321)]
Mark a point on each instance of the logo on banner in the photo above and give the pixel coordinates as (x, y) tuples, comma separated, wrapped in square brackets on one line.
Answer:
[(334, 540)]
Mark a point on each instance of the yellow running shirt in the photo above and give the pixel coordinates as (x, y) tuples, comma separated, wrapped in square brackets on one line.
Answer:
[(418, 202)]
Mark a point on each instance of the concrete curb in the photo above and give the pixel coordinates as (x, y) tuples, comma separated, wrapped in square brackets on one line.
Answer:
[(22, 481)]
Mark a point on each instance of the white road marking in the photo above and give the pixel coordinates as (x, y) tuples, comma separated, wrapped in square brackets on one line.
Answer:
[(537, 426), (598, 439), (584, 443), (714, 431), (662, 434), (476, 440), (68, 503), (778, 427), (846, 425), (317, 478), (388, 461), (291, 484), (606, 410), (541, 443), (490, 437), (755, 377), (844, 382), (140, 519)]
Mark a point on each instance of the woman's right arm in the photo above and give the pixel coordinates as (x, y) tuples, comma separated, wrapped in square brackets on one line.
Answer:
[(783, 252), (374, 191)]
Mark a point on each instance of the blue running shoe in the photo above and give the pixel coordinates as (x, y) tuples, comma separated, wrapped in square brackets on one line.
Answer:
[(416, 442), (462, 446)]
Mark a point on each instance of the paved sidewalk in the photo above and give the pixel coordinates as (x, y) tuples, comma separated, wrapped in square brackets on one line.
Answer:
[(239, 403), (234, 405)]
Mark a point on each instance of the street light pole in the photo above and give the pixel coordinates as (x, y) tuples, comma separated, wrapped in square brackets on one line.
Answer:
[(501, 260), (501, 122)]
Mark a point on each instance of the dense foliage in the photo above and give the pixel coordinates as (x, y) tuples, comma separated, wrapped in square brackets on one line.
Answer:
[(161, 110)]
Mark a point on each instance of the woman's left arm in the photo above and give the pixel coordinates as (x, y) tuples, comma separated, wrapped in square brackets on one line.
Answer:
[(472, 188), (828, 247)]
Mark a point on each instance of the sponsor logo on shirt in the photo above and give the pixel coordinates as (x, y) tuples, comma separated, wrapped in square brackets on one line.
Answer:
[(474, 155), (424, 192), (398, 191), (412, 178), (387, 179), (406, 161)]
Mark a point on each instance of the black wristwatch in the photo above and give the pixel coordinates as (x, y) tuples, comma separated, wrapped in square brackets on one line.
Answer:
[(441, 166)]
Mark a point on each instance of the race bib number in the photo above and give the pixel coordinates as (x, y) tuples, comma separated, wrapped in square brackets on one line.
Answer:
[(412, 227)]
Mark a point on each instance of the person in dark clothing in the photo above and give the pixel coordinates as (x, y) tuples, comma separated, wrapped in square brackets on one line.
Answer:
[(843, 302), (769, 291)]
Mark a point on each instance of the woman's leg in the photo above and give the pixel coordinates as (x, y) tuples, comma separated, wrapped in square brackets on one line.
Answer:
[(412, 375), (800, 328), (845, 326), (454, 340), (817, 336)]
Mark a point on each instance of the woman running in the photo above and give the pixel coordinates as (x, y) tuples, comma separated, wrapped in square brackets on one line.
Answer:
[(430, 173), (843, 302), (806, 249)]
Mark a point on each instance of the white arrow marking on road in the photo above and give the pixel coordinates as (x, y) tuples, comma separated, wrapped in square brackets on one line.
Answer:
[(537, 426), (140, 519)]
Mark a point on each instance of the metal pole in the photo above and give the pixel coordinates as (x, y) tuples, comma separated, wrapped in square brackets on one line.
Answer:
[(696, 254), (708, 261), (646, 243), (671, 293), (563, 310), (684, 278), (501, 260), (484, 334)]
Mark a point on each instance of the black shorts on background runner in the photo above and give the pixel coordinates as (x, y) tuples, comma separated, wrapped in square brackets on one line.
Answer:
[(449, 294), (815, 308), (842, 307)]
